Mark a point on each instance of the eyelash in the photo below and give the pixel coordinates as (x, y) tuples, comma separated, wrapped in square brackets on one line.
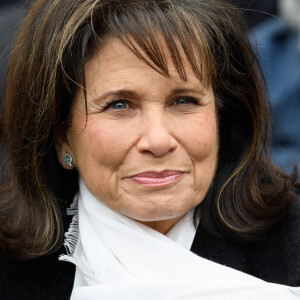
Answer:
[(109, 104), (192, 100), (188, 98)]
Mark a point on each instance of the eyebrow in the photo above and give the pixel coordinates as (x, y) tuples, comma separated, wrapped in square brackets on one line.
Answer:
[(120, 93), (129, 93), (183, 91)]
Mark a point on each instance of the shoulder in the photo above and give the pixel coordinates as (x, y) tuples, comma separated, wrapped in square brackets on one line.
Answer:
[(275, 258), (41, 278), (291, 223)]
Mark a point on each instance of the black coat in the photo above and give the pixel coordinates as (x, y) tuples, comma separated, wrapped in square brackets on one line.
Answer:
[(275, 259)]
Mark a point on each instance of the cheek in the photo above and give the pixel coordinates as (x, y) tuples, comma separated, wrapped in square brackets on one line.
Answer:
[(202, 149), (103, 143), (201, 138)]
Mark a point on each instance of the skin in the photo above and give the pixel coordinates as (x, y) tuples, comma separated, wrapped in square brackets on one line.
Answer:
[(159, 124)]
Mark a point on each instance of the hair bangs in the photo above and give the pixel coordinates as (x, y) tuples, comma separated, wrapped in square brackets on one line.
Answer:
[(147, 32)]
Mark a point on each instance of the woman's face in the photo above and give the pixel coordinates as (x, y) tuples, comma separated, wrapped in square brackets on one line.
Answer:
[(148, 149)]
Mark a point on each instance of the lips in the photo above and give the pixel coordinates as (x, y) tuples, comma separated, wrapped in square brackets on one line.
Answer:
[(157, 179)]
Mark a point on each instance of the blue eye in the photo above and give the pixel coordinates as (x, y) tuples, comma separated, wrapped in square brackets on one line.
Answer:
[(118, 105), (186, 100)]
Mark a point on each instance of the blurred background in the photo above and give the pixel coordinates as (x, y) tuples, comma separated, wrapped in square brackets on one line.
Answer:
[(275, 26), (274, 30), (11, 15)]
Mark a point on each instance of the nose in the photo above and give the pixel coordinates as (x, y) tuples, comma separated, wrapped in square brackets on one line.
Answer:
[(156, 137)]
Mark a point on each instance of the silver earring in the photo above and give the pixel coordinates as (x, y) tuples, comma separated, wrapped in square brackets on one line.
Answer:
[(68, 160)]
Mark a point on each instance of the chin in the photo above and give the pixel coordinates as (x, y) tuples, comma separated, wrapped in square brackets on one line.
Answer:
[(159, 214)]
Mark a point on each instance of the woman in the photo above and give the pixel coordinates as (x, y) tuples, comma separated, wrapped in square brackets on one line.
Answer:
[(141, 115)]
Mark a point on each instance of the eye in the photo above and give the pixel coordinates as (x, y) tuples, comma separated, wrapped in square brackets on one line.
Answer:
[(186, 100), (117, 105)]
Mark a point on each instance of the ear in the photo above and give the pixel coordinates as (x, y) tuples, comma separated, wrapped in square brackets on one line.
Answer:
[(62, 148)]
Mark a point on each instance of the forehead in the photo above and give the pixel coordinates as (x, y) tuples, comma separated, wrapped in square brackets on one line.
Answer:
[(114, 63)]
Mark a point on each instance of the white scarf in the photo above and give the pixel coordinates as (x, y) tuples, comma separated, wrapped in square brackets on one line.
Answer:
[(119, 258)]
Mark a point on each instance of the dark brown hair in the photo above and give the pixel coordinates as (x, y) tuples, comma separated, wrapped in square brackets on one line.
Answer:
[(248, 194)]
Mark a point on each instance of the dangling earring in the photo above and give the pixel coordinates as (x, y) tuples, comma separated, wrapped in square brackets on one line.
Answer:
[(68, 160)]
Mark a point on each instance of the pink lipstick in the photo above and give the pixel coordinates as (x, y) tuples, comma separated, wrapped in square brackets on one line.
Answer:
[(157, 179)]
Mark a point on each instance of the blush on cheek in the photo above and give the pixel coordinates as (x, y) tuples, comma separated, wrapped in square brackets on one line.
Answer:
[(107, 144), (203, 147)]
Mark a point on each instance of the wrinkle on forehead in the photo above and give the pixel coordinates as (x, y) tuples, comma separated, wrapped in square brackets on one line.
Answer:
[(115, 49)]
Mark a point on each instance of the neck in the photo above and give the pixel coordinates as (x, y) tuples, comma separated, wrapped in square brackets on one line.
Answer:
[(162, 226)]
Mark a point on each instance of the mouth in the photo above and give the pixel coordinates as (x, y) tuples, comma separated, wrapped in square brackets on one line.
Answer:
[(157, 179)]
